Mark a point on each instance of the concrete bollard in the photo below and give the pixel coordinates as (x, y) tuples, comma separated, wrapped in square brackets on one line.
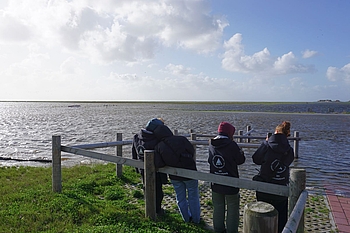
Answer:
[(260, 217)]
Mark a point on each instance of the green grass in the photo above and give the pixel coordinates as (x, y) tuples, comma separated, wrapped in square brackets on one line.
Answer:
[(93, 199)]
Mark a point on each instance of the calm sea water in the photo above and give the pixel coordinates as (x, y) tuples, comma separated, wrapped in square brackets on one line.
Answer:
[(26, 129)]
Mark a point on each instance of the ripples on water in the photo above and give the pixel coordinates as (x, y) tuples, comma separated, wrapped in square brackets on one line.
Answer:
[(26, 130)]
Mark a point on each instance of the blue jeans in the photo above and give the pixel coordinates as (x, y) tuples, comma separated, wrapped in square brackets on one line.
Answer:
[(189, 207), (228, 204)]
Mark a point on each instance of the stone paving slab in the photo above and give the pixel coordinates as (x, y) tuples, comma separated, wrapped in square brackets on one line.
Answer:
[(318, 217)]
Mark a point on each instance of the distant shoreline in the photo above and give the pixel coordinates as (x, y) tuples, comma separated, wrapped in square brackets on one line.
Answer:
[(286, 113), (326, 108), (176, 102)]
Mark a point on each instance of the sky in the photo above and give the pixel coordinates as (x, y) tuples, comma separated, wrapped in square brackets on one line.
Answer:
[(174, 50)]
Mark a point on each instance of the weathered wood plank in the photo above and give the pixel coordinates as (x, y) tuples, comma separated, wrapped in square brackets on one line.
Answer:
[(292, 224), (230, 181), (56, 164), (103, 144), (150, 185), (105, 157)]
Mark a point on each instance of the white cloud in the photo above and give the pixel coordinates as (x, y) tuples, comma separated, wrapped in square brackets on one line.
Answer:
[(297, 83), (176, 69), (111, 31), (335, 74), (28, 68), (13, 29), (136, 50), (71, 66), (235, 60), (309, 53), (288, 64), (179, 84)]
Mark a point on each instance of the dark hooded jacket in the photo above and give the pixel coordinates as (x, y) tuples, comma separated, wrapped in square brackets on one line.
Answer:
[(275, 157), (173, 151), (224, 156), (144, 140)]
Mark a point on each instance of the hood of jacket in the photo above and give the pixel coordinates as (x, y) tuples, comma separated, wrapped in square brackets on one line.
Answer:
[(279, 143), (146, 135), (162, 131), (220, 141)]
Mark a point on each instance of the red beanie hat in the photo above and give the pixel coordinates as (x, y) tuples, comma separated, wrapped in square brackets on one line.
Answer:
[(226, 128)]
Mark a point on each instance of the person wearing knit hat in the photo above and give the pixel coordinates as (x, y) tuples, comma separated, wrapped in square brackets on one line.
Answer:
[(153, 123), (146, 140), (224, 156), (226, 129), (177, 151)]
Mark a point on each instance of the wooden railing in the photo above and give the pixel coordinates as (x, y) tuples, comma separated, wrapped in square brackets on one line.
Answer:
[(244, 140), (297, 178)]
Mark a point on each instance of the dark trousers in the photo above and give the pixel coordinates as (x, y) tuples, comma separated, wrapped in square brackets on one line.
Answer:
[(159, 191), (161, 179), (281, 205)]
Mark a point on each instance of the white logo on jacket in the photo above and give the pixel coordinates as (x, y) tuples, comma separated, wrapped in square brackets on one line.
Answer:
[(278, 168), (140, 150), (218, 161)]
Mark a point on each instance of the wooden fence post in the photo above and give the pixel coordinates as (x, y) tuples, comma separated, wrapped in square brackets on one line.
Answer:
[(56, 164), (119, 152), (176, 132), (240, 133), (150, 185), (260, 217), (296, 145), (297, 184), (248, 134)]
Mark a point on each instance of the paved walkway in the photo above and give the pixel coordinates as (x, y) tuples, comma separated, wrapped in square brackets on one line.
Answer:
[(317, 216), (340, 207)]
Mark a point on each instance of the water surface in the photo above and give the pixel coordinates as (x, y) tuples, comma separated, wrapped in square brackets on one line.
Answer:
[(26, 129)]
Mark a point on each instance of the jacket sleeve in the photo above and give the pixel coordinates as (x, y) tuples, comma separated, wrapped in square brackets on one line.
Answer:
[(158, 159), (258, 156), (133, 149), (134, 152), (189, 147), (239, 155), (210, 150), (287, 160)]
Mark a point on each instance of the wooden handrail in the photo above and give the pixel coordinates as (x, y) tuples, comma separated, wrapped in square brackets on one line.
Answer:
[(192, 136), (295, 217)]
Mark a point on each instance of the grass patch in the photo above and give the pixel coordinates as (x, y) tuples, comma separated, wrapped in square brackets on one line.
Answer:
[(93, 199)]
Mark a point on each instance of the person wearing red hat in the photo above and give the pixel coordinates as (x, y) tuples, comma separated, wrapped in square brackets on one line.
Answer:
[(224, 156)]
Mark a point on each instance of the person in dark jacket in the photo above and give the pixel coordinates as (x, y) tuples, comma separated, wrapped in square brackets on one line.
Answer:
[(224, 156), (177, 151), (274, 157), (146, 140)]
